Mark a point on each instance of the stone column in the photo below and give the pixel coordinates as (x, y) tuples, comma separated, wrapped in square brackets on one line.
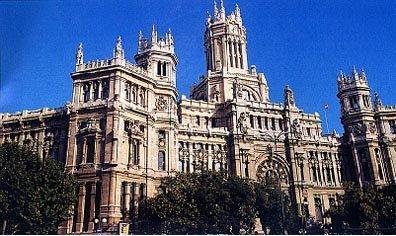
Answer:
[(92, 208), (81, 206)]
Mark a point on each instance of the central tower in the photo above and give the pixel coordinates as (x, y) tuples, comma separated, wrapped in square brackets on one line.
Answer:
[(228, 74), (225, 41)]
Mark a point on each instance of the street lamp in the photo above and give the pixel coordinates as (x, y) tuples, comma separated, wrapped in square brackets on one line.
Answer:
[(99, 223)]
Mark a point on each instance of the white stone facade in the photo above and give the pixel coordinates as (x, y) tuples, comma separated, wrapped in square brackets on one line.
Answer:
[(125, 128)]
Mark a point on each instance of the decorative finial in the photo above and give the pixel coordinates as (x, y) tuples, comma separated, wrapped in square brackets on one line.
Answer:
[(118, 50), (140, 35), (354, 70), (215, 10), (153, 35), (80, 55), (237, 11), (377, 100), (222, 10)]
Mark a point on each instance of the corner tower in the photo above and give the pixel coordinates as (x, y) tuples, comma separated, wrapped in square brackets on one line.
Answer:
[(157, 56), (361, 133)]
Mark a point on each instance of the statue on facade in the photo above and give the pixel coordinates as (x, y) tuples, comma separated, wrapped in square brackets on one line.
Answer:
[(242, 123), (289, 96), (296, 128), (80, 55)]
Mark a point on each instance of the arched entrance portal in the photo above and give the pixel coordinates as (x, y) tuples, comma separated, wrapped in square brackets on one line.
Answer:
[(273, 170)]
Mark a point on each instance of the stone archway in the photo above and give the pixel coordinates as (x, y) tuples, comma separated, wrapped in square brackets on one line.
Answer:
[(273, 169)]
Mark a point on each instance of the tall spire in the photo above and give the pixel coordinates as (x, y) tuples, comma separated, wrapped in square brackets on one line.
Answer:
[(79, 55)]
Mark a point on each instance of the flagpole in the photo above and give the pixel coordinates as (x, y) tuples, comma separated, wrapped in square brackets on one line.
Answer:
[(327, 123)]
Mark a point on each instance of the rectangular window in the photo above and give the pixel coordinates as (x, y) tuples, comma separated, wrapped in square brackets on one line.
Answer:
[(161, 160), (90, 150)]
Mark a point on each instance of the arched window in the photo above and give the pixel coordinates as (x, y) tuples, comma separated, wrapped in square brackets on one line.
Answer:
[(161, 160), (240, 56)]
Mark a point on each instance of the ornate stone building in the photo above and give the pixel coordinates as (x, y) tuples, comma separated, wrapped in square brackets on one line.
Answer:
[(125, 128)]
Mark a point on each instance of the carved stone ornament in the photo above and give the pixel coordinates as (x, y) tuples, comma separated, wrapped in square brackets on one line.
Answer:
[(296, 128), (372, 128), (238, 90), (242, 123), (161, 103)]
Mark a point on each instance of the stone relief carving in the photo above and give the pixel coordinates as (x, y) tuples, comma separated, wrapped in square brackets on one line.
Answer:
[(161, 103), (238, 89), (372, 128), (296, 128)]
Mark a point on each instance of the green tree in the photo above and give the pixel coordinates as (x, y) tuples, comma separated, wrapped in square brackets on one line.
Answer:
[(276, 210), (35, 194), (366, 210), (200, 203)]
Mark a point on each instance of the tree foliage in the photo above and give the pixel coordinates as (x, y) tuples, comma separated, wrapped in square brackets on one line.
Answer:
[(35, 194), (367, 210), (276, 210), (204, 203)]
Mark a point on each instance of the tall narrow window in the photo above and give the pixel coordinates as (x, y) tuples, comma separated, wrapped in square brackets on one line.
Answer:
[(90, 150), (252, 121), (230, 53), (259, 122), (240, 56), (164, 71), (235, 54), (96, 90), (161, 160), (105, 91), (273, 124), (86, 92), (158, 68)]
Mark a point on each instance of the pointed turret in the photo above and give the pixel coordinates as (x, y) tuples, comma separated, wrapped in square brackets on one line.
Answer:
[(118, 50)]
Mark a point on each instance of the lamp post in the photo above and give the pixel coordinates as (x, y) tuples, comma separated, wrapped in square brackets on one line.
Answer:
[(98, 223)]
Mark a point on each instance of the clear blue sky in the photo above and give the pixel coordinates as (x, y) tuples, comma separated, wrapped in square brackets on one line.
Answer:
[(297, 42)]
